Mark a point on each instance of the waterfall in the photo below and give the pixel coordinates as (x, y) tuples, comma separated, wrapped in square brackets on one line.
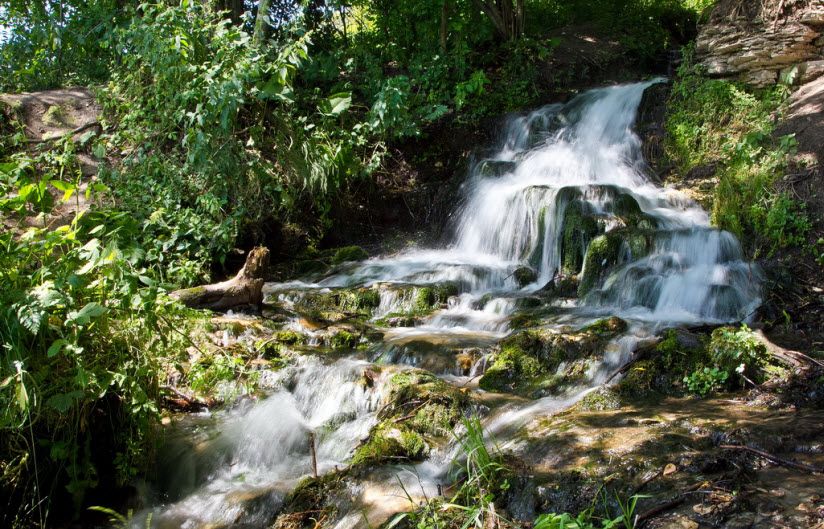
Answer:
[(669, 264), (566, 194)]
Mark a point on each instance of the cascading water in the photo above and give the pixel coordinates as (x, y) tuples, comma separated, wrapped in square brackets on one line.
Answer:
[(566, 194), (582, 156)]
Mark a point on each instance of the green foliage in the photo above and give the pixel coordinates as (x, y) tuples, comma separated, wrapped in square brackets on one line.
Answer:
[(735, 356), (51, 43), (720, 122), (483, 476), (738, 350), (706, 380), (349, 253), (588, 520), (84, 330)]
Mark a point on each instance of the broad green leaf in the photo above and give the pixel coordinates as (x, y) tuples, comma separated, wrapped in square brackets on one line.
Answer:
[(56, 347), (337, 104), (86, 314)]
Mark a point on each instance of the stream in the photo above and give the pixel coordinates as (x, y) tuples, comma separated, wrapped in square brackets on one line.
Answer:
[(564, 200)]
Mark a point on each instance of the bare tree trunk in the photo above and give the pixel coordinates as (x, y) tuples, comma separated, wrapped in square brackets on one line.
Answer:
[(506, 15), (444, 24), (235, 8), (246, 288)]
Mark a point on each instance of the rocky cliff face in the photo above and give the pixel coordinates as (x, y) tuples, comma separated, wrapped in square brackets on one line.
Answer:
[(758, 41)]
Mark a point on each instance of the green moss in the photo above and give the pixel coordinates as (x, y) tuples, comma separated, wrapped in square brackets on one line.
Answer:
[(349, 253), (310, 266), (360, 300), (610, 327), (579, 229), (288, 337), (421, 410), (313, 499), (602, 254), (538, 253), (344, 339), (524, 276), (390, 442), (431, 297), (639, 381), (602, 399), (515, 365)]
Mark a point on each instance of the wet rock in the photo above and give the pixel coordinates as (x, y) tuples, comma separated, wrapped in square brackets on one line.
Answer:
[(579, 228), (314, 499), (349, 253), (530, 362), (524, 276), (676, 521), (419, 410), (494, 168)]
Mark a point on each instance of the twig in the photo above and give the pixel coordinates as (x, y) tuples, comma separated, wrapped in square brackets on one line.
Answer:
[(789, 356), (190, 401), (78, 130), (775, 459), (675, 502), (313, 453)]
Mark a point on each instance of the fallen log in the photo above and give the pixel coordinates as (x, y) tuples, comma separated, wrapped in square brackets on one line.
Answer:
[(788, 356), (243, 289)]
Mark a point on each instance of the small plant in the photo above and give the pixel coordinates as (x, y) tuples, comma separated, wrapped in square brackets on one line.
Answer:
[(706, 380), (736, 357), (588, 520)]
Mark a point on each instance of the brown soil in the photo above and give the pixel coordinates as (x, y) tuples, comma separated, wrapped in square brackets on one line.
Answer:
[(672, 452), (48, 116), (800, 281)]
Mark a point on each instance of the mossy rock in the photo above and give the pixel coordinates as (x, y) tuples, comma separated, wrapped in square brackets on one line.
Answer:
[(494, 168), (611, 327), (344, 339), (432, 297), (516, 365), (528, 361), (349, 253), (639, 381), (312, 499), (57, 116), (421, 410), (602, 399), (579, 228), (602, 254), (289, 337), (389, 442), (310, 266), (362, 299), (524, 276)]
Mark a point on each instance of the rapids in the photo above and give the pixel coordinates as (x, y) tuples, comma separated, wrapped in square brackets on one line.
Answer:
[(566, 194)]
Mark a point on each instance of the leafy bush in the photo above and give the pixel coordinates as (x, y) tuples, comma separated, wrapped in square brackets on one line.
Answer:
[(713, 121), (735, 356), (706, 380)]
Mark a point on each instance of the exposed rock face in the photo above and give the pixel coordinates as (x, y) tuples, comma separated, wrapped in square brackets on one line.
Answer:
[(758, 41)]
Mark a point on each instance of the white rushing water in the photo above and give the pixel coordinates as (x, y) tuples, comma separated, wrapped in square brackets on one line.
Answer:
[(262, 449), (584, 152), (584, 155)]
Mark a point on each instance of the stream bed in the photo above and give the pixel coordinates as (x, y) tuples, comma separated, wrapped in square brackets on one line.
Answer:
[(560, 231)]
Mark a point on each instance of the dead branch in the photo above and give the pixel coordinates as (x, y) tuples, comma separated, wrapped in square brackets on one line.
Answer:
[(775, 459)]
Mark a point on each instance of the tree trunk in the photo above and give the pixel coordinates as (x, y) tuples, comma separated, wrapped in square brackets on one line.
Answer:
[(235, 8), (444, 25), (246, 288), (506, 15)]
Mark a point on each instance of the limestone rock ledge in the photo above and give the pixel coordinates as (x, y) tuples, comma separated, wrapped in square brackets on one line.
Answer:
[(757, 42)]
